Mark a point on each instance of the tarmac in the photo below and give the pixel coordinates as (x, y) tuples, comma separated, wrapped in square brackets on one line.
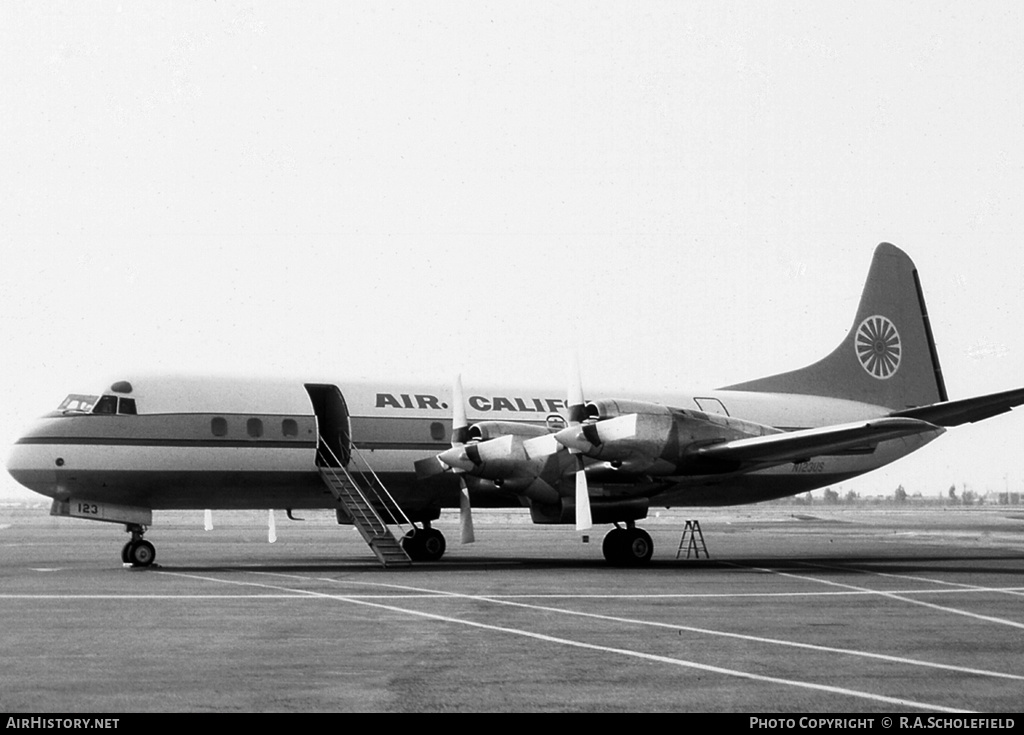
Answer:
[(809, 610)]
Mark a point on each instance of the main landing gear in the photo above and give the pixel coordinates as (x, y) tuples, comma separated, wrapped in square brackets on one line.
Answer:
[(138, 552), (628, 547), (424, 544)]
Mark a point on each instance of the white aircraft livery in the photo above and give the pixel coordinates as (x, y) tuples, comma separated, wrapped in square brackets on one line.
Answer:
[(388, 455)]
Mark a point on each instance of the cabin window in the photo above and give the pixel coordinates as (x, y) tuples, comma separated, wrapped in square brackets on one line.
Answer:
[(290, 427), (106, 405), (437, 431), (219, 426), (254, 427), (126, 406)]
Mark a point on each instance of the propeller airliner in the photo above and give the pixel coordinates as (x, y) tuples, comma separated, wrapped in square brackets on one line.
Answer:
[(385, 455)]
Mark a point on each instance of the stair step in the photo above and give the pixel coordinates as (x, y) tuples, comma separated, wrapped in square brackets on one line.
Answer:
[(374, 531)]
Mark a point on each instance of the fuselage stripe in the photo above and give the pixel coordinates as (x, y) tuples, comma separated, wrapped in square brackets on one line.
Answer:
[(211, 443)]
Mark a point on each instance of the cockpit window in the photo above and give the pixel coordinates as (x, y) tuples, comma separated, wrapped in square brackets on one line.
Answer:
[(106, 405), (126, 406), (77, 403)]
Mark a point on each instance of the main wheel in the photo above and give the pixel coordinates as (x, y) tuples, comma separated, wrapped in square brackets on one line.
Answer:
[(424, 544), (124, 553), (631, 547), (434, 544), (612, 545), (638, 547), (141, 553)]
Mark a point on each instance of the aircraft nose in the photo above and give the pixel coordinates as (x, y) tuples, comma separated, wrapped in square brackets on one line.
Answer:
[(30, 464)]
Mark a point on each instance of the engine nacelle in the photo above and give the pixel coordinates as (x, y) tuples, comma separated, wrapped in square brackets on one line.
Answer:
[(495, 452), (486, 430), (648, 438)]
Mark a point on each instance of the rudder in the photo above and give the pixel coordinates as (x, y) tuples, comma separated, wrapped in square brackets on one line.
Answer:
[(888, 358)]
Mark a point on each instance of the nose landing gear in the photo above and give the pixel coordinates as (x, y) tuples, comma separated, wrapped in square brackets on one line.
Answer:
[(138, 552)]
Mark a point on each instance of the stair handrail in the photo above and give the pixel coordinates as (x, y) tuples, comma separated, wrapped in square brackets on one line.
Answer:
[(373, 519), (387, 496), (359, 488)]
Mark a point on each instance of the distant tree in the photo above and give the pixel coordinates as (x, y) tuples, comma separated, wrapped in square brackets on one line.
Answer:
[(831, 496), (952, 494), (852, 497), (900, 496), (969, 497)]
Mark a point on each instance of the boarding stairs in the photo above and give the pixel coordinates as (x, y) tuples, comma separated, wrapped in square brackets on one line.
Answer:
[(693, 541), (363, 500)]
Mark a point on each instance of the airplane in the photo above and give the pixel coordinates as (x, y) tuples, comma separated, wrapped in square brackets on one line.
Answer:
[(385, 454)]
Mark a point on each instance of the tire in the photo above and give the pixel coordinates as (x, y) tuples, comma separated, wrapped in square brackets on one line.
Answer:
[(637, 547), (433, 544), (424, 544), (141, 554), (613, 544)]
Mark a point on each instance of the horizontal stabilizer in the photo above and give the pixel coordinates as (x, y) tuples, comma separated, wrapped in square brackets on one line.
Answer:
[(968, 410), (797, 446)]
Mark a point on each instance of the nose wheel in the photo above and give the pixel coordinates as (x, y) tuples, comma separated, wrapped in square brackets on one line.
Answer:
[(138, 552)]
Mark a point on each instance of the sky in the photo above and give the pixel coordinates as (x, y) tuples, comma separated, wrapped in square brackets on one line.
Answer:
[(685, 194)]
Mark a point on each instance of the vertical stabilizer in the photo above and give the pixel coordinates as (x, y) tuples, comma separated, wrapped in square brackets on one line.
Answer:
[(888, 358)]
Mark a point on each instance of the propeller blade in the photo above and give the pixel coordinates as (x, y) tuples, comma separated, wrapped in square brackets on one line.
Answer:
[(584, 520), (541, 446), (587, 437), (494, 449), (460, 426), (208, 520), (462, 460), (577, 413), (271, 527), (429, 467), (465, 515)]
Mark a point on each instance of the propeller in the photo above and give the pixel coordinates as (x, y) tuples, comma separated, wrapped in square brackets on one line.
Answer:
[(271, 527), (460, 433), (588, 438), (577, 413), (207, 520)]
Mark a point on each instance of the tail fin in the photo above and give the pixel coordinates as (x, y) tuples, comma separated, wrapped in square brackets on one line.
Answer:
[(888, 358)]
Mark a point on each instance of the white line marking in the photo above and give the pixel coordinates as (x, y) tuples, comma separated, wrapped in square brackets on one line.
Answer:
[(152, 597), (499, 600), (962, 587), (604, 649), (890, 595)]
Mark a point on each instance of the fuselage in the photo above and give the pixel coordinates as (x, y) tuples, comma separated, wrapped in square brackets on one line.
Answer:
[(171, 442)]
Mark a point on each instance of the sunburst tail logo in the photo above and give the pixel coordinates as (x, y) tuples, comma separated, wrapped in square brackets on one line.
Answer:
[(878, 347)]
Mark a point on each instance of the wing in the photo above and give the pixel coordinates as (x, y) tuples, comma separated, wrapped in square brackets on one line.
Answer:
[(968, 410), (798, 446)]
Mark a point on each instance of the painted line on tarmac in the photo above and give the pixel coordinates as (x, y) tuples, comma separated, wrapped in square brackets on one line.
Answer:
[(502, 600), (150, 597), (590, 646), (890, 595), (961, 586)]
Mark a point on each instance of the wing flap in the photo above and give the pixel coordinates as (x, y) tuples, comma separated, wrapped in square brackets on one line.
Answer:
[(968, 410), (797, 446)]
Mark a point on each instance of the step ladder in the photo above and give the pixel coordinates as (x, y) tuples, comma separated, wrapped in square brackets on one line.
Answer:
[(356, 503), (693, 540)]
